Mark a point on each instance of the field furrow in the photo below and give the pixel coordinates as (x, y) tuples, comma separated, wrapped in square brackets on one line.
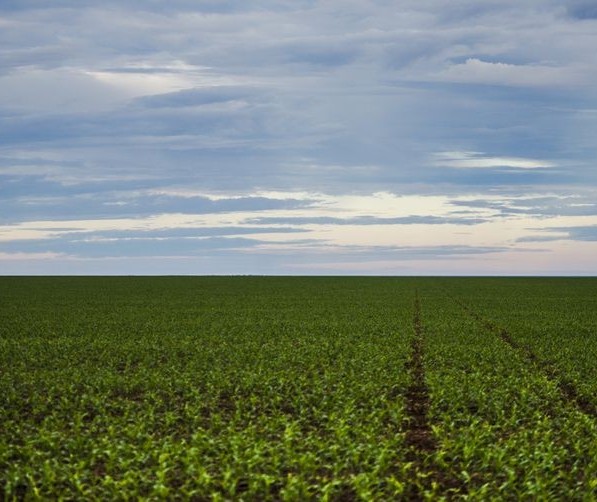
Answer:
[(430, 477), (503, 427), (567, 388), (418, 435), (553, 321)]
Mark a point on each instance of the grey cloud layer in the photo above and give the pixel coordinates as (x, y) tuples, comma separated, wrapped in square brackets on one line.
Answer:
[(586, 233), (103, 105)]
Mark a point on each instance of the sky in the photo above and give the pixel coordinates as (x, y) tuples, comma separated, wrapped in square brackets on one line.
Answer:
[(298, 137)]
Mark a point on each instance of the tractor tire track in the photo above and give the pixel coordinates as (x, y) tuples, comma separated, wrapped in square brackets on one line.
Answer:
[(565, 386), (419, 439), (419, 435)]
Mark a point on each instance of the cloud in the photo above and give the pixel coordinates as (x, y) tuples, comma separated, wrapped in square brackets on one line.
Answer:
[(476, 71), (36, 198), (20, 256), (539, 206), (367, 220), (392, 260), (586, 233), (582, 9), (201, 96), (293, 125), (106, 248), (478, 160)]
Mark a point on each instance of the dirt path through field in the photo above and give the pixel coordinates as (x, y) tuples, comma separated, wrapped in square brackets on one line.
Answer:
[(419, 435)]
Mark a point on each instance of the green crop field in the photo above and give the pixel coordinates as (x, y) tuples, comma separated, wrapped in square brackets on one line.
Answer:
[(278, 388)]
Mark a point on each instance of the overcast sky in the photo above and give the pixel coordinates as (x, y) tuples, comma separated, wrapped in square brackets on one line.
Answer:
[(298, 137)]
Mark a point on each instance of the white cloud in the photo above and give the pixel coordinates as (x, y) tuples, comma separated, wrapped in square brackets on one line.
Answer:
[(478, 160), (159, 76), (476, 71), (30, 256), (142, 83), (321, 222)]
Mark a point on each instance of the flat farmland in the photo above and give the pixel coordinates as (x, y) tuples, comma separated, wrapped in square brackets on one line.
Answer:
[(296, 388)]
